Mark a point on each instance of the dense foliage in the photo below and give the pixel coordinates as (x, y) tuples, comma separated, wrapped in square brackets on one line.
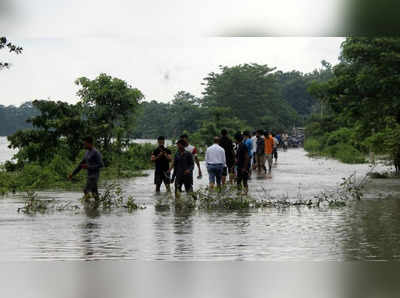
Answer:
[(248, 96), (51, 149), (362, 98)]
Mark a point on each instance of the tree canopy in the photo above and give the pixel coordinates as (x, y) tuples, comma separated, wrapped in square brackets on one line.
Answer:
[(364, 93)]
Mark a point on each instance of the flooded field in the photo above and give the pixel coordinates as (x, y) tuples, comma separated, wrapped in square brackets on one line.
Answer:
[(363, 230)]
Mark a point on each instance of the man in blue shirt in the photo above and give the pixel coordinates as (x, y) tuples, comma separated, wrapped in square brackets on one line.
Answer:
[(249, 144), (92, 162)]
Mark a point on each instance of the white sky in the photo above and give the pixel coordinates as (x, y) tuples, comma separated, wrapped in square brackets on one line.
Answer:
[(158, 46)]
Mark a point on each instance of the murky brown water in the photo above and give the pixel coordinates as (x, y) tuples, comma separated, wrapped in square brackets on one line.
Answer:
[(365, 230)]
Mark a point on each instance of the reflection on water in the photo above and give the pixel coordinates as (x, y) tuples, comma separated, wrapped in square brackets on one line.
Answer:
[(365, 230)]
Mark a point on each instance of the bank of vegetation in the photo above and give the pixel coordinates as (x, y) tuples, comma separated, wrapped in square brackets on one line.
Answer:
[(349, 110), (242, 97), (49, 151), (360, 103)]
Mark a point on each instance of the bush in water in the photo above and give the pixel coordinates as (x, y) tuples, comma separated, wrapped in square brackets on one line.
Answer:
[(53, 174)]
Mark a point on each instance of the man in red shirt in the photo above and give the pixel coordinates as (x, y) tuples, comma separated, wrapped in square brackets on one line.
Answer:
[(269, 148)]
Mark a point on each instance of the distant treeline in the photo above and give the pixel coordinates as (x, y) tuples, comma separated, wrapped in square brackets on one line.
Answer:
[(14, 118), (248, 96)]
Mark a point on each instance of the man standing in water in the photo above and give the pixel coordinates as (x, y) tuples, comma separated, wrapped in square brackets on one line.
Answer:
[(275, 149), (226, 143), (269, 148), (183, 166), (249, 144), (192, 149), (260, 154), (216, 162), (242, 163), (254, 150), (161, 157), (92, 162)]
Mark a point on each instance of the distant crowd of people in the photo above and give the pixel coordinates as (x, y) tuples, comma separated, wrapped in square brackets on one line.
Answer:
[(225, 159)]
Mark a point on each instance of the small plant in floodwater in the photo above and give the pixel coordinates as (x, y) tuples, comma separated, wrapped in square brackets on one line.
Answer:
[(131, 205), (112, 197), (33, 204)]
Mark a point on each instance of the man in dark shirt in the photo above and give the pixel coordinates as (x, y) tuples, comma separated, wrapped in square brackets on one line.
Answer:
[(242, 163), (161, 157), (226, 143), (92, 162), (183, 166)]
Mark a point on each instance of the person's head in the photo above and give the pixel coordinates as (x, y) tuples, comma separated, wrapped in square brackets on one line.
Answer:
[(259, 133), (216, 140), (161, 140), (224, 132), (246, 134), (273, 134), (185, 137), (181, 144), (238, 138), (254, 133), (88, 142)]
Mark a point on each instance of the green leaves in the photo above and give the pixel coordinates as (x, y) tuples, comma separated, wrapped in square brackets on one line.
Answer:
[(4, 43), (364, 94), (109, 105)]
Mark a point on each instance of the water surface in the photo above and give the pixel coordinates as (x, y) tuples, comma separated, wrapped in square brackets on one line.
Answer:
[(364, 230)]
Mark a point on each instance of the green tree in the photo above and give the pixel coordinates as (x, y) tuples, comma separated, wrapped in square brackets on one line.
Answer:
[(153, 120), (186, 113), (251, 91), (58, 127), (364, 93), (109, 105)]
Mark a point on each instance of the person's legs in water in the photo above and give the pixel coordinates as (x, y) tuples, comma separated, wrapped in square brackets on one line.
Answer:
[(239, 181), (269, 159), (218, 175), (158, 179), (167, 181), (188, 183), (91, 187), (275, 152), (224, 175), (178, 184), (211, 175), (231, 175), (242, 178), (245, 178)]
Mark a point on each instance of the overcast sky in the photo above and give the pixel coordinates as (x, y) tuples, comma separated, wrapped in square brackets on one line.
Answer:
[(158, 46)]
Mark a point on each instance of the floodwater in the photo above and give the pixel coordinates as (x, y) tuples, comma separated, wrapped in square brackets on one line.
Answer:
[(363, 230)]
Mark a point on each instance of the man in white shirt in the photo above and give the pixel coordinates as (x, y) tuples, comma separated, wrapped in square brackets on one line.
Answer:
[(254, 150), (215, 161)]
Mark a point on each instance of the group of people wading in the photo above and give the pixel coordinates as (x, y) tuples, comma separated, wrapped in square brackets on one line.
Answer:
[(224, 159)]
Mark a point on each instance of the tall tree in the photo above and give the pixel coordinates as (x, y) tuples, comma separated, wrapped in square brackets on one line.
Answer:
[(251, 91), (109, 105), (364, 93)]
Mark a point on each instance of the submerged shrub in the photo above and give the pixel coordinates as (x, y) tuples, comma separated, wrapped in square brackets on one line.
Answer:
[(348, 154), (312, 145)]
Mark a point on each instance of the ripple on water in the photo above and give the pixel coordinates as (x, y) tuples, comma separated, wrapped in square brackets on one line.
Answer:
[(368, 230)]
